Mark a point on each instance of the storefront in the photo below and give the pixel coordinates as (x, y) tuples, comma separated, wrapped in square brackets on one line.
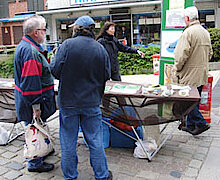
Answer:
[(137, 21)]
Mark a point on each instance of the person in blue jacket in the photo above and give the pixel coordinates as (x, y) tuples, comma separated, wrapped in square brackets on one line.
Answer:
[(34, 87), (82, 65)]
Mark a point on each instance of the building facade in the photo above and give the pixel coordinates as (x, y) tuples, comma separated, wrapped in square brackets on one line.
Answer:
[(141, 19), (12, 16)]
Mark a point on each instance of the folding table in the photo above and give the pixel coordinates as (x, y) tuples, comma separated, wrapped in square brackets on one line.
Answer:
[(151, 109)]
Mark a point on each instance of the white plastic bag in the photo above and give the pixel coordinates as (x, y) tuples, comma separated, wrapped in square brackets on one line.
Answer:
[(150, 146), (3, 136), (38, 141)]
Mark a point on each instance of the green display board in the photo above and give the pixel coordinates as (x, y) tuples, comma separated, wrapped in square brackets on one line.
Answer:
[(171, 30)]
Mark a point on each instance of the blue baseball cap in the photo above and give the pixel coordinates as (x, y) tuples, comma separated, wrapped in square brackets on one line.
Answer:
[(84, 21)]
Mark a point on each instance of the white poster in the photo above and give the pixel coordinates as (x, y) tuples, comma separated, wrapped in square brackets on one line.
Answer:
[(169, 42), (175, 18), (177, 4)]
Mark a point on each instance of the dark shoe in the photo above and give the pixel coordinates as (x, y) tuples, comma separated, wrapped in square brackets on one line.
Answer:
[(45, 167), (184, 128), (200, 130), (110, 176)]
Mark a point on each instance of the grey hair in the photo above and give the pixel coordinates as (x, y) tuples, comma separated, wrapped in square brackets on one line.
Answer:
[(33, 23), (192, 13), (85, 31)]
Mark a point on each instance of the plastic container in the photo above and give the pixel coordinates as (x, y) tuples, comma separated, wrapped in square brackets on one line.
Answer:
[(206, 97), (156, 63)]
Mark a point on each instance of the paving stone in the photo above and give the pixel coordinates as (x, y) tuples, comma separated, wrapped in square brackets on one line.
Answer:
[(58, 171), (203, 150), (195, 164), (183, 155), (57, 178), (13, 148), (182, 139), (25, 177), (3, 170), (187, 178), (199, 156), (205, 144), (3, 161), (19, 159), (216, 143), (15, 166), (162, 158), (52, 159), (191, 172), (17, 143), (175, 174), (9, 155), (45, 175), (147, 174), (2, 151), (166, 177), (12, 174)]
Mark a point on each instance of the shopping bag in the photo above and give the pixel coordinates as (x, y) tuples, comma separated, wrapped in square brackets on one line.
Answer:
[(38, 141), (150, 146)]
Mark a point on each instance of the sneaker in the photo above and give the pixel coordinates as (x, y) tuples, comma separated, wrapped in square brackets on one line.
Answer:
[(45, 167), (110, 176)]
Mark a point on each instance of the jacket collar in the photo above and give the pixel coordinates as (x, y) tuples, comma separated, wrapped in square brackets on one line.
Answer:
[(191, 24), (32, 42)]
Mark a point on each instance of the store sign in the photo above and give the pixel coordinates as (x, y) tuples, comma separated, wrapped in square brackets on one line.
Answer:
[(73, 2)]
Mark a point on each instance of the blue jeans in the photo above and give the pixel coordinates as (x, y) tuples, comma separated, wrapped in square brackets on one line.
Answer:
[(195, 118), (33, 163), (90, 121)]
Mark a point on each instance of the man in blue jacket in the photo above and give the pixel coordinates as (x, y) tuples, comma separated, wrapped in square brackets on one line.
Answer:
[(34, 87), (82, 65)]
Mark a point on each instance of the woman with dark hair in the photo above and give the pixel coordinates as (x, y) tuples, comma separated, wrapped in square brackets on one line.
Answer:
[(112, 46)]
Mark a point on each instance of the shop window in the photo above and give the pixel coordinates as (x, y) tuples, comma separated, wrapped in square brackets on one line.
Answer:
[(207, 18), (146, 28)]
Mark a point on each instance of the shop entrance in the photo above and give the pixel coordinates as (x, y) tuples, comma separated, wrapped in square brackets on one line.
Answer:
[(122, 18), (123, 32)]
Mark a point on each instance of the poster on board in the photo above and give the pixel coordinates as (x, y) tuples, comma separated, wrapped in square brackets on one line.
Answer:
[(175, 18), (169, 42)]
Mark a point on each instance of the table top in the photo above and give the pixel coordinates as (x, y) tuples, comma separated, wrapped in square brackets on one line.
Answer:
[(193, 93), (8, 84)]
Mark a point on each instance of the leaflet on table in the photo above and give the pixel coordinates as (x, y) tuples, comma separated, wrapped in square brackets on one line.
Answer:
[(121, 88), (7, 84)]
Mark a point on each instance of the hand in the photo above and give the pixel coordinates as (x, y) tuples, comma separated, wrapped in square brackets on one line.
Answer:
[(36, 113), (140, 53)]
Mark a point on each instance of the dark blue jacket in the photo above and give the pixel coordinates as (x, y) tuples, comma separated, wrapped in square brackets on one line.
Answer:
[(112, 46), (82, 65), (33, 81)]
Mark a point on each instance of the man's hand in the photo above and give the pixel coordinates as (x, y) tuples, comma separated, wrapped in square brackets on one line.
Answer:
[(140, 53), (36, 113)]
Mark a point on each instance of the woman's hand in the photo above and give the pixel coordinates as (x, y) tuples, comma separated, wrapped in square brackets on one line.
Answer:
[(140, 53)]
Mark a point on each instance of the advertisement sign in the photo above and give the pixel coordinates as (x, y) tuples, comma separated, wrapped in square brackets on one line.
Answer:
[(168, 42)]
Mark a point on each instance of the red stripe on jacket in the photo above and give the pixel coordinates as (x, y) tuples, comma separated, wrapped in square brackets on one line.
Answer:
[(34, 92), (31, 68)]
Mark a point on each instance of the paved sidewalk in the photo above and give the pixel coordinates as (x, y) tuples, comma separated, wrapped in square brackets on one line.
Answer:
[(182, 157)]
